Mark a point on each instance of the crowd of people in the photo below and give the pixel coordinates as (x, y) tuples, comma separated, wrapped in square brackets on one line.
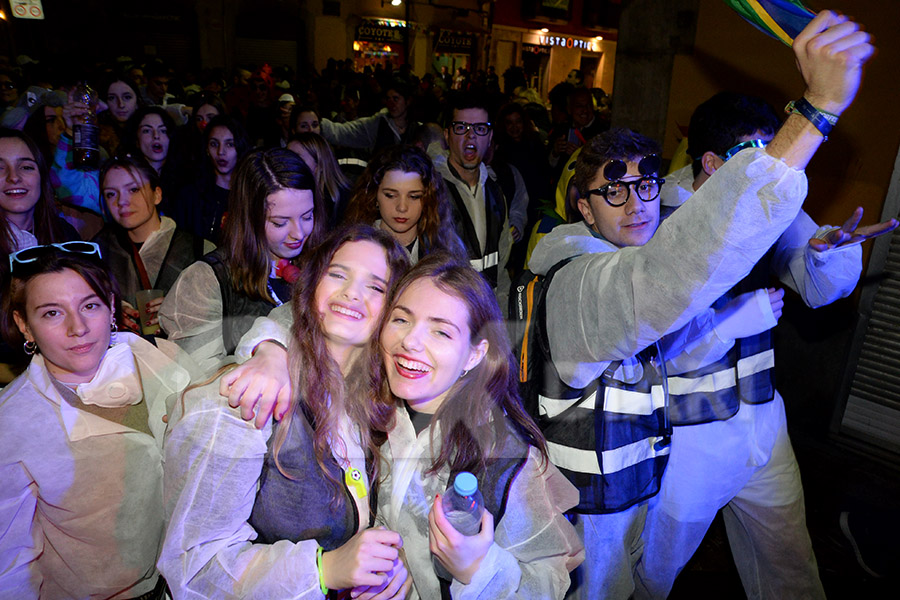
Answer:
[(287, 334)]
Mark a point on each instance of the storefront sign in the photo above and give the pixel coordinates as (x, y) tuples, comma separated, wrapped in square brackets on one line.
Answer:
[(567, 42), (454, 42), (369, 31), (535, 49)]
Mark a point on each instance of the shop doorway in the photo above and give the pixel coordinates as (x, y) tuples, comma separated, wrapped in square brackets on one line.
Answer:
[(588, 68)]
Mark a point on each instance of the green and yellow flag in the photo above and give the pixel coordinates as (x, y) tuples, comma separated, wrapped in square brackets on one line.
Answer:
[(781, 19)]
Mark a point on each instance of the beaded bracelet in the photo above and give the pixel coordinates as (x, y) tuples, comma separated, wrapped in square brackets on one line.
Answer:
[(322, 586)]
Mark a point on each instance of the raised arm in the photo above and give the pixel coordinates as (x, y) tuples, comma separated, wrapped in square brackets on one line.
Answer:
[(831, 51)]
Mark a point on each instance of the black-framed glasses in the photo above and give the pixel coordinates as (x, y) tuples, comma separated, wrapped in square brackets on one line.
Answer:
[(617, 192), (738, 147), (29, 255), (461, 128)]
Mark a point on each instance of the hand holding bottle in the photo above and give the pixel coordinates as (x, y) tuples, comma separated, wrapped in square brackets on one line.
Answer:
[(460, 554)]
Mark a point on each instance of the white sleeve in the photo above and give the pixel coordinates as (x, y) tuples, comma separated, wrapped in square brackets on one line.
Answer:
[(359, 133), (213, 463), (609, 306), (276, 326), (191, 315), (535, 546), (20, 544), (694, 346), (819, 277)]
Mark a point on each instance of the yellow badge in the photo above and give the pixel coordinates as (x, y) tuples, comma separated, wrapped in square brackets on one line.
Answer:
[(354, 480)]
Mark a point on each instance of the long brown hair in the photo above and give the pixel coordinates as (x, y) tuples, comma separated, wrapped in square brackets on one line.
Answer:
[(323, 389), (257, 176), (479, 405), (47, 226), (330, 180), (435, 226)]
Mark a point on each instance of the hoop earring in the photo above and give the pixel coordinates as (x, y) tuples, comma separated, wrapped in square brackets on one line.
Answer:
[(30, 347), (464, 373)]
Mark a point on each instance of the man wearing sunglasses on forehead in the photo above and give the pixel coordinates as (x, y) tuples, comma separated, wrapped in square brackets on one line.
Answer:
[(480, 211), (620, 282), (730, 447)]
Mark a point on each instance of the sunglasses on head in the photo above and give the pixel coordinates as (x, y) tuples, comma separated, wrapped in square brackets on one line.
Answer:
[(738, 147), (30, 255)]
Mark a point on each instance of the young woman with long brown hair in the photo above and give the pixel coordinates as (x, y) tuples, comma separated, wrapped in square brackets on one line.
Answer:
[(272, 215), (450, 370), (28, 215), (283, 511), (28, 211), (401, 192)]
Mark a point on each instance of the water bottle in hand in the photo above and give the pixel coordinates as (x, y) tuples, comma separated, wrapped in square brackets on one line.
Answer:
[(463, 504)]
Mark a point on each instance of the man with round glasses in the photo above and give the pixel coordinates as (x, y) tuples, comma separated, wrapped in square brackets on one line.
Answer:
[(730, 446), (619, 282)]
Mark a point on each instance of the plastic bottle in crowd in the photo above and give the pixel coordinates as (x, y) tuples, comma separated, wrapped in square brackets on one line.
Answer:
[(86, 132), (463, 505)]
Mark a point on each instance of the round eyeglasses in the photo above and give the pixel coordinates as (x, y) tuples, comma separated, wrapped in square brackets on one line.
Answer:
[(617, 193)]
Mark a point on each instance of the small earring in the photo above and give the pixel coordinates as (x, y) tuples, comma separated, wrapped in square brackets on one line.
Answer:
[(30, 347), (464, 373)]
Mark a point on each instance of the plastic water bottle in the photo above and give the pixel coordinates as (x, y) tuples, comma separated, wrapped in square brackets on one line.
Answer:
[(463, 504)]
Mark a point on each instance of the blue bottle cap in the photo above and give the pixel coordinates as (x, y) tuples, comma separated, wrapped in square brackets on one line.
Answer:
[(465, 484)]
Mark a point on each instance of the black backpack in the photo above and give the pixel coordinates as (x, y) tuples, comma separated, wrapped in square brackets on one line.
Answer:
[(527, 331)]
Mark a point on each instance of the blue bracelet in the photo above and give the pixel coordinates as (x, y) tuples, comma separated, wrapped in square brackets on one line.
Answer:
[(821, 120)]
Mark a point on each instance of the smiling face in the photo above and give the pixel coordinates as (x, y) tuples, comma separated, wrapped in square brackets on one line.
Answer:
[(122, 101), (350, 296), (221, 150), (132, 203), (153, 139), (632, 224), (399, 200), (204, 114), (289, 221), (467, 151), (20, 182), (427, 345), (69, 323)]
